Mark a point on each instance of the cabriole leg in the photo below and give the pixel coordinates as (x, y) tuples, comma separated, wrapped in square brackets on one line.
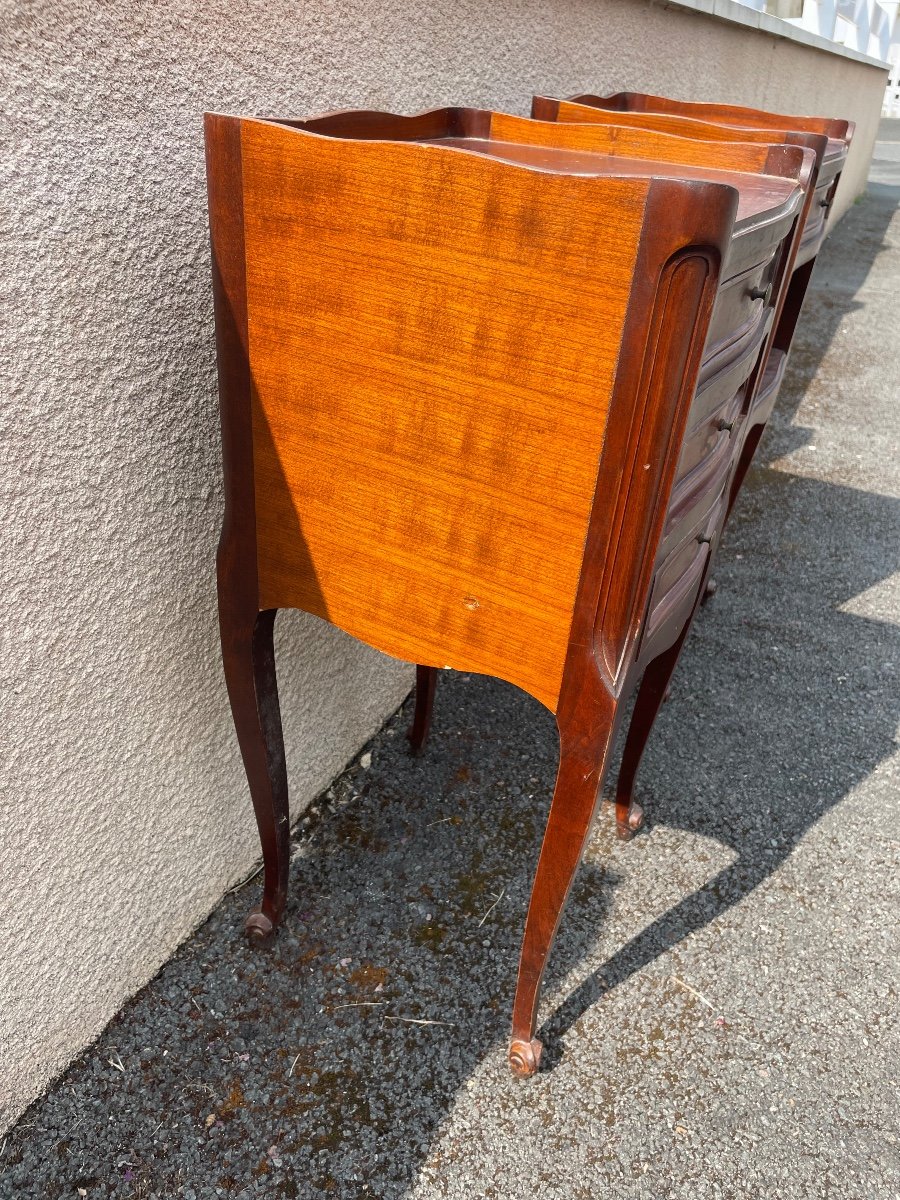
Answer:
[(426, 684), (650, 698), (249, 658), (582, 767)]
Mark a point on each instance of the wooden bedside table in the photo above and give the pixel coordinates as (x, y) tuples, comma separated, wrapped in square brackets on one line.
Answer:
[(461, 420), (740, 337), (828, 137)]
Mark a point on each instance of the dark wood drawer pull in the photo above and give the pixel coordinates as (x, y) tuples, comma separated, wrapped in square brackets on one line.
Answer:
[(704, 540), (760, 293), (723, 425), (823, 203)]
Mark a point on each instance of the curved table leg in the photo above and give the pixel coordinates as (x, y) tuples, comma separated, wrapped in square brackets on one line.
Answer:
[(249, 659), (584, 756), (651, 696)]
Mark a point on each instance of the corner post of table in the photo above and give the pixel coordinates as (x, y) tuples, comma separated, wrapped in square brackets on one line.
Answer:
[(246, 632)]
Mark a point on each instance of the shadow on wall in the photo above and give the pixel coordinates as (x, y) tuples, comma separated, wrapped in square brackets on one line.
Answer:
[(336, 1055)]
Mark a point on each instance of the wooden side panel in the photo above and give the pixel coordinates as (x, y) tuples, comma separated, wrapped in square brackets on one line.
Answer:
[(686, 127), (734, 115), (613, 140), (639, 142), (678, 271), (433, 343), (666, 387)]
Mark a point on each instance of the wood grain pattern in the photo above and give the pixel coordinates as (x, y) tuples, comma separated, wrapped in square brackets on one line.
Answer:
[(546, 108), (820, 168), (246, 632), (674, 599), (617, 140), (735, 115), (612, 140), (685, 239), (767, 203), (765, 216), (425, 461)]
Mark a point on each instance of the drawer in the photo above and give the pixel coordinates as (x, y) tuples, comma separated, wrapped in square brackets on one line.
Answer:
[(767, 392), (719, 390), (739, 306), (694, 495), (704, 435), (814, 229), (818, 209), (752, 246), (676, 583), (732, 361)]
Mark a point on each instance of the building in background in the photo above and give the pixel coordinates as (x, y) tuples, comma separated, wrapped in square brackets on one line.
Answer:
[(869, 26)]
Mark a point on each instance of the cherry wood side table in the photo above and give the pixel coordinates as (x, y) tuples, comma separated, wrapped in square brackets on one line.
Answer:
[(828, 137), (467, 417)]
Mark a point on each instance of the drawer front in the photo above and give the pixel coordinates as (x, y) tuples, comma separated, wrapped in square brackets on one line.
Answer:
[(753, 246), (731, 364), (814, 229), (739, 306), (704, 435), (694, 496), (678, 577)]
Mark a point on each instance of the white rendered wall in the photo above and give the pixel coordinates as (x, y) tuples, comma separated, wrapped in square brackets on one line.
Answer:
[(123, 811)]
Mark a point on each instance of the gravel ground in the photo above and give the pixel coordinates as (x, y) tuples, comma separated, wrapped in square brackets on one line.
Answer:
[(720, 1016)]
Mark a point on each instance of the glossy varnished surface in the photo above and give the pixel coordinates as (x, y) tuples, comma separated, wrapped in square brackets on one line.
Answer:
[(425, 462), (495, 374), (591, 108), (769, 180), (735, 115), (764, 175), (828, 139)]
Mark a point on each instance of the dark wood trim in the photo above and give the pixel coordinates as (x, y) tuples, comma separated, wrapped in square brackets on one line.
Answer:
[(426, 686), (738, 116), (246, 633)]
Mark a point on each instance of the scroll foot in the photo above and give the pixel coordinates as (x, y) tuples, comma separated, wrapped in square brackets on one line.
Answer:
[(586, 725), (258, 927), (629, 822), (524, 1057), (248, 655), (709, 591)]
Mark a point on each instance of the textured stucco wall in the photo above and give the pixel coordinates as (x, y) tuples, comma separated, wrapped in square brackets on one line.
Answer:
[(124, 813)]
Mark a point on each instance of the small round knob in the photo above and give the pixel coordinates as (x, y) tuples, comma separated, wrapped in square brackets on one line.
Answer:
[(704, 540), (823, 204), (760, 293), (723, 425)]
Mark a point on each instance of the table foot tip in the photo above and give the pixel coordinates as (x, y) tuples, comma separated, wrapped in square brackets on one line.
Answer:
[(525, 1057)]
